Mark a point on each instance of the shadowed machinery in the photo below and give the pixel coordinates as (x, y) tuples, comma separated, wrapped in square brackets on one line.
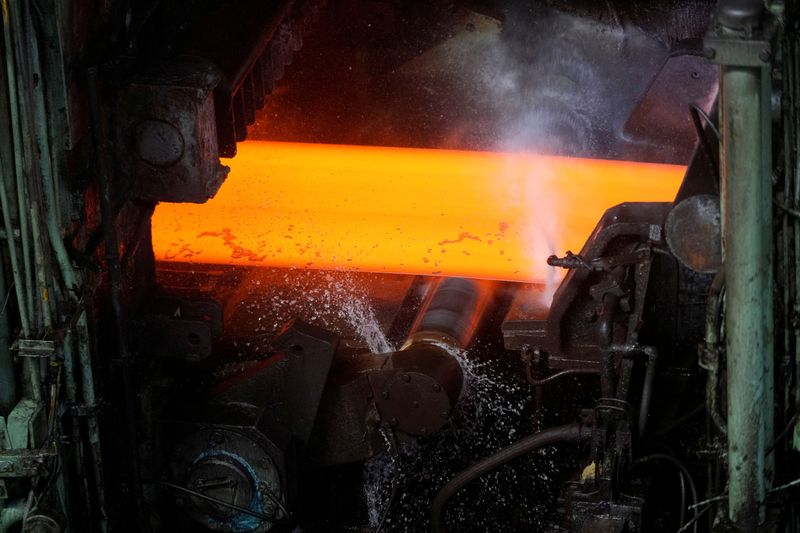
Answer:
[(387, 266)]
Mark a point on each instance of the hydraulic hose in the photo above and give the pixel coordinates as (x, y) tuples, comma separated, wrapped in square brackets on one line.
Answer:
[(567, 433)]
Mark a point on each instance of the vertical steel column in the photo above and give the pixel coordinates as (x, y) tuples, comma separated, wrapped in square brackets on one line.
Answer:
[(747, 232), (741, 43)]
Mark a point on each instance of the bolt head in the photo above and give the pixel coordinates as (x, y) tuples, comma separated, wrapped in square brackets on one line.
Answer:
[(406, 378), (709, 52), (385, 395), (765, 55), (158, 143)]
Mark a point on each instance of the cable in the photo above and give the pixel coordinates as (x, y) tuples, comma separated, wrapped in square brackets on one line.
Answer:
[(8, 295), (784, 432), (211, 499), (567, 433), (789, 485), (786, 209), (553, 377), (680, 421), (697, 516), (682, 516), (277, 501), (696, 112), (697, 109), (684, 471)]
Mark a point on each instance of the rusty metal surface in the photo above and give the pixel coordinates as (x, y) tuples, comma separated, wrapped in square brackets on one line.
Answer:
[(170, 150), (183, 328), (233, 466), (250, 43), (565, 335), (662, 114), (418, 389), (348, 423), (26, 462)]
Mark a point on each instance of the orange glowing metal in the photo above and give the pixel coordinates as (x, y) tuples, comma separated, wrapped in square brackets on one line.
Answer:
[(439, 212)]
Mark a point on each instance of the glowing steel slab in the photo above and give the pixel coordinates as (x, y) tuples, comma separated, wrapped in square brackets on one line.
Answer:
[(440, 212)]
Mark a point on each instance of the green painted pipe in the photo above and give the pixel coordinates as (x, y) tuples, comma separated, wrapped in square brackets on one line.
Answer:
[(747, 251), (8, 382), (48, 182), (11, 513), (26, 289)]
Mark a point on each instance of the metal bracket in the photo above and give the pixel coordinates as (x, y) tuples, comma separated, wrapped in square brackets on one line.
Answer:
[(599, 264), (25, 463), (181, 328), (86, 411), (34, 348), (737, 49)]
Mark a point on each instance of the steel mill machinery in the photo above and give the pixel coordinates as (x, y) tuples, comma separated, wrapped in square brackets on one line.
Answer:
[(399, 266)]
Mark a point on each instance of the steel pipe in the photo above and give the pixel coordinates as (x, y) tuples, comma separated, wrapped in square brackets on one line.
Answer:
[(19, 266), (556, 435), (25, 302), (11, 513), (747, 255), (48, 182)]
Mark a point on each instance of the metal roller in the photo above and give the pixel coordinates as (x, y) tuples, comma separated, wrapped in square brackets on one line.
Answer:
[(452, 313), (419, 386)]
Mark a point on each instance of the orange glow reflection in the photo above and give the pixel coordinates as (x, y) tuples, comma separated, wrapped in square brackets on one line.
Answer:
[(417, 211)]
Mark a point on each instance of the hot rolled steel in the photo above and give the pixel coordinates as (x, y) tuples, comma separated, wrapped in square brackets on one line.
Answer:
[(478, 215)]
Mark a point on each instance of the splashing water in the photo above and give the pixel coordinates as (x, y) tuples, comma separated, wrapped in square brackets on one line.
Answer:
[(337, 301), (492, 413), (357, 311)]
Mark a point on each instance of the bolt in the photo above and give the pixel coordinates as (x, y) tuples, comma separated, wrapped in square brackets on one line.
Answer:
[(393, 422), (385, 395), (415, 404), (709, 52), (406, 378), (765, 55), (445, 414), (437, 387), (158, 143)]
